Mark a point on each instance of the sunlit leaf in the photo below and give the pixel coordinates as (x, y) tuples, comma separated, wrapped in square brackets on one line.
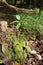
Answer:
[(0, 61), (18, 25), (4, 48), (16, 63), (28, 49), (13, 22), (17, 17)]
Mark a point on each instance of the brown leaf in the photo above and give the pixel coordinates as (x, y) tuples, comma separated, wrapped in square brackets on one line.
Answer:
[(16, 63)]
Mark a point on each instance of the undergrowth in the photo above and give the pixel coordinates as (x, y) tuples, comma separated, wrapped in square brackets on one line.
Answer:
[(17, 47), (14, 48), (32, 23)]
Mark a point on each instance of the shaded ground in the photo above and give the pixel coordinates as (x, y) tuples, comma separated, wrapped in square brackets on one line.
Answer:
[(37, 45)]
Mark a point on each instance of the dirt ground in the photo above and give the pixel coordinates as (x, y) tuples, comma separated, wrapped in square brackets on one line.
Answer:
[(37, 45)]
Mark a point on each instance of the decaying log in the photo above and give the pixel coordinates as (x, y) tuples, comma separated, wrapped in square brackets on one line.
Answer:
[(16, 8)]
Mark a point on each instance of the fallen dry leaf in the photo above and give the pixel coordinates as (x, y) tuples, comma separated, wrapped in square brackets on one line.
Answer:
[(4, 25), (16, 63)]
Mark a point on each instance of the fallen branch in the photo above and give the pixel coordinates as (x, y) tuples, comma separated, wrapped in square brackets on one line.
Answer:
[(16, 8)]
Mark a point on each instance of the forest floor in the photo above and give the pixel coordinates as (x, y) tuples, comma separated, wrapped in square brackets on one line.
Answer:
[(37, 45)]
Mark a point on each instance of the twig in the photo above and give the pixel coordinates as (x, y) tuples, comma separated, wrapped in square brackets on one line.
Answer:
[(17, 9)]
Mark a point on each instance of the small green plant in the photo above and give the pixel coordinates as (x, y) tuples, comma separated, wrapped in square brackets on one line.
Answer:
[(18, 44), (32, 23), (18, 21), (14, 49)]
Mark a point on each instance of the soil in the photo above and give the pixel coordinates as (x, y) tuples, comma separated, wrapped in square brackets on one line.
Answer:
[(37, 45)]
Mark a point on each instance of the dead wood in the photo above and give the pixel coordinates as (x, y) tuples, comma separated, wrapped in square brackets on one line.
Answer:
[(16, 8)]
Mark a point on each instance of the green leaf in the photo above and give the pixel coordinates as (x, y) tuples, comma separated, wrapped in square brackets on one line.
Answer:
[(11, 23), (7, 51), (37, 10), (4, 48), (0, 61), (28, 48), (17, 17), (18, 25)]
